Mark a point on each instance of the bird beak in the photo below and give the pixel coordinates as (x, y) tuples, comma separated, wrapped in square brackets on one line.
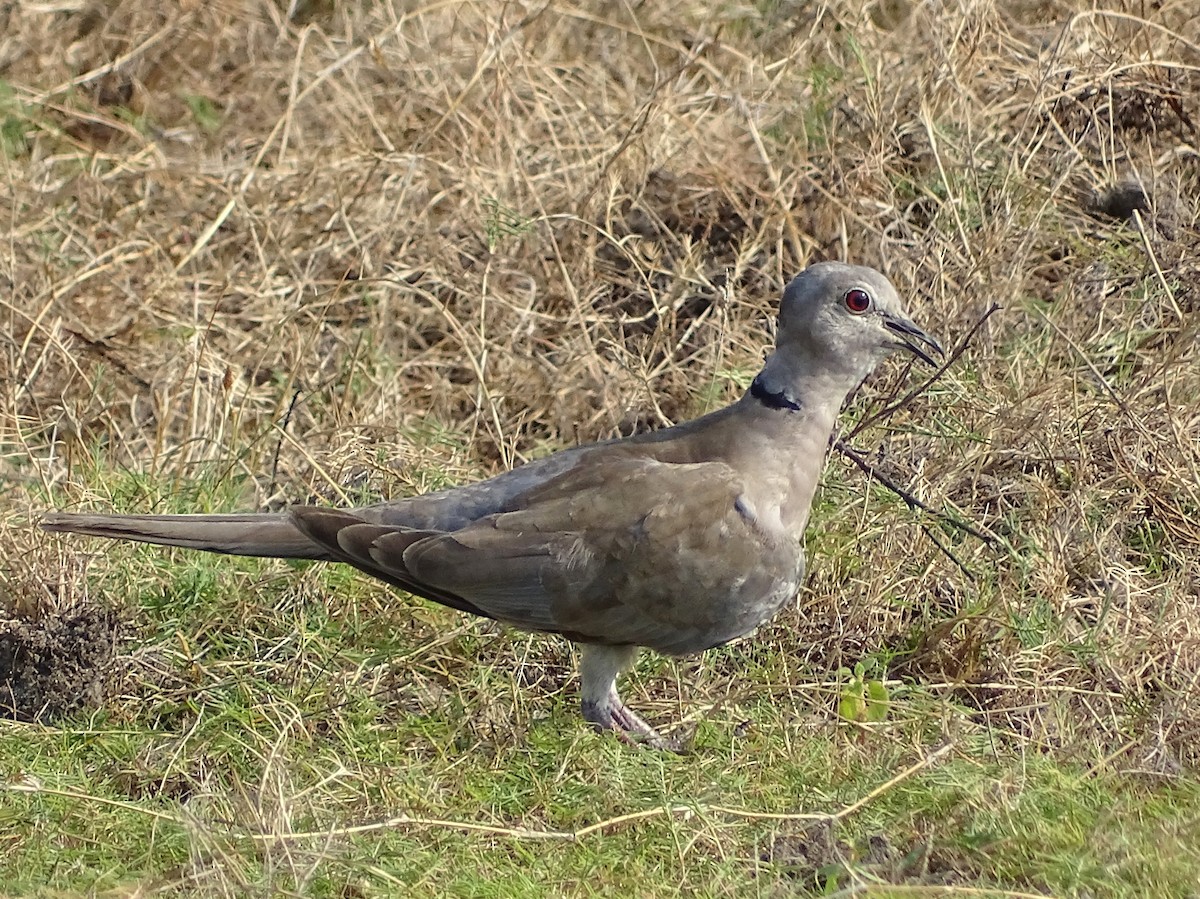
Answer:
[(911, 338)]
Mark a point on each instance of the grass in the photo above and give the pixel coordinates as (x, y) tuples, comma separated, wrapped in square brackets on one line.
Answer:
[(261, 779), (371, 251)]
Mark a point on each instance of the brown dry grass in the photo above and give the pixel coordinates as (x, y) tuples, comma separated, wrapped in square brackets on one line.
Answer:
[(401, 243)]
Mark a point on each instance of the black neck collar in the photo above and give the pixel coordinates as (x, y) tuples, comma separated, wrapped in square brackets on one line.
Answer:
[(777, 400)]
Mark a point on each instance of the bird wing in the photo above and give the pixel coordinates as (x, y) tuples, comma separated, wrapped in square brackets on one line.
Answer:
[(619, 550)]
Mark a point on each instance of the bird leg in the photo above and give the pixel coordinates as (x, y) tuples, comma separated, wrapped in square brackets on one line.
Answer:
[(602, 707)]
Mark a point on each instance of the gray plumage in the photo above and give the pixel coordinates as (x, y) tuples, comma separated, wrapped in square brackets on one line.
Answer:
[(677, 540)]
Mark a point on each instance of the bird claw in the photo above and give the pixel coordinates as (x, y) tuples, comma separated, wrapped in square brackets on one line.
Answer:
[(630, 728)]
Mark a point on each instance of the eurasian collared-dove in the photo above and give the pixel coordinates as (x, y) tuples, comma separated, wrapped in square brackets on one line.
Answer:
[(679, 540)]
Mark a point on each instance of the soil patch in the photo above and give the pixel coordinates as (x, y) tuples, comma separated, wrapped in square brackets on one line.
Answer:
[(57, 663)]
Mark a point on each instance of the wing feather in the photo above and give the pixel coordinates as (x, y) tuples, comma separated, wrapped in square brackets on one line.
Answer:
[(349, 539), (627, 550), (619, 549)]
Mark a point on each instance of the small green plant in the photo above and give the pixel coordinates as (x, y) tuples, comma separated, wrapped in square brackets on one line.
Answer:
[(204, 111), (501, 222), (13, 123), (863, 700), (716, 392), (139, 121)]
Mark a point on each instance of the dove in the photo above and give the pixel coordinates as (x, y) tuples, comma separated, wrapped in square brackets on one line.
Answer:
[(677, 540)]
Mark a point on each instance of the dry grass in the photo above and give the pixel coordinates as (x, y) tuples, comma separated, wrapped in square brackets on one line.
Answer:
[(256, 253)]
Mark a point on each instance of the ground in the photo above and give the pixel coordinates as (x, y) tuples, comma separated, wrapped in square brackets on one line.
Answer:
[(259, 253)]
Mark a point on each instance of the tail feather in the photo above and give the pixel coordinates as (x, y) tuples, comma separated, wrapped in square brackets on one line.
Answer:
[(236, 535)]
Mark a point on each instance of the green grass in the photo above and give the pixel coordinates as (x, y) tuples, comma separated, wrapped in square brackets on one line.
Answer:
[(295, 728)]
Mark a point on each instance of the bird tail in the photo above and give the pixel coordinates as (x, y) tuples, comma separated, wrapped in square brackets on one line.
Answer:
[(236, 535)]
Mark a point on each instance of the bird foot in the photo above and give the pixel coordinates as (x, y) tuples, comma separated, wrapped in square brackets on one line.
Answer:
[(629, 727)]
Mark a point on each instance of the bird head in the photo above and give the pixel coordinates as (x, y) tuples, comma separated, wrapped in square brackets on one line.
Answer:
[(836, 323), (848, 317)]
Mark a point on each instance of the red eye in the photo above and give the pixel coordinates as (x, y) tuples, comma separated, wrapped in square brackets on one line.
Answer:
[(857, 300)]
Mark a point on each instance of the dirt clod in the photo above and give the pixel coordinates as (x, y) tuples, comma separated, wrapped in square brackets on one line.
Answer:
[(55, 664)]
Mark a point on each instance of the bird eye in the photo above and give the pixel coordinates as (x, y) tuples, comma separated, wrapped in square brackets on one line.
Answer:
[(857, 300)]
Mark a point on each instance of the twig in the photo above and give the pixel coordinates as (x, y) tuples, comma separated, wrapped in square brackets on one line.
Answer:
[(895, 407), (36, 789), (899, 778), (913, 502), (575, 836), (962, 566), (521, 833), (872, 472), (283, 425)]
